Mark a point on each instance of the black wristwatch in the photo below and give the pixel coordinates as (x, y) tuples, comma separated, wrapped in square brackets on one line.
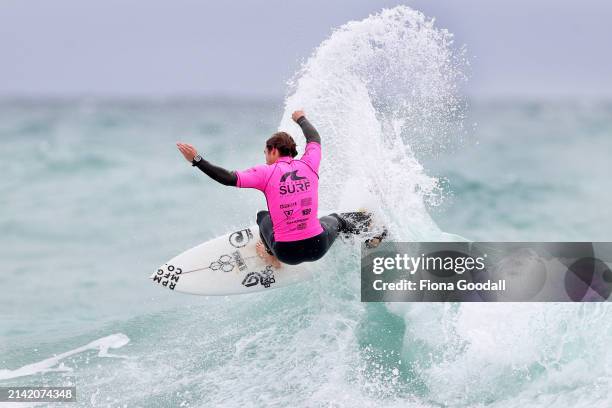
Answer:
[(196, 160)]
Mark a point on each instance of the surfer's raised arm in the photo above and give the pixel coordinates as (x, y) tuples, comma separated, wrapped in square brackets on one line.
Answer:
[(219, 174), (310, 133), (279, 145)]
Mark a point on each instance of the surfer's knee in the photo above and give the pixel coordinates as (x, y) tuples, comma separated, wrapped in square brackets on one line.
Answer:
[(338, 223)]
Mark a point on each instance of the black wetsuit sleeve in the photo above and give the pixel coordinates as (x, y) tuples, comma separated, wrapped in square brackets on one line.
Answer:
[(217, 173), (310, 133)]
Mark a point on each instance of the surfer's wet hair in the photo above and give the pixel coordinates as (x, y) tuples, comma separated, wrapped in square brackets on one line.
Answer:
[(283, 142)]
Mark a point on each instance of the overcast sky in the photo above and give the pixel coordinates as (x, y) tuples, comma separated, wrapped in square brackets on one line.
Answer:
[(250, 48)]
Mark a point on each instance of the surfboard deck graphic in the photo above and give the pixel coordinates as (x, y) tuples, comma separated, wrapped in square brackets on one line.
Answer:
[(228, 265)]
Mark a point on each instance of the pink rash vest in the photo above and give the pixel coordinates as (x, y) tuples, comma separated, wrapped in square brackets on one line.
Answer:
[(291, 188)]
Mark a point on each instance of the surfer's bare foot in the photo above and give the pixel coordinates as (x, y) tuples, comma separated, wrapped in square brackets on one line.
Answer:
[(263, 254)]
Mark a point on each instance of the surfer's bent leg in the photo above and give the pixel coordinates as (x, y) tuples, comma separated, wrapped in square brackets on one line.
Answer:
[(309, 249), (331, 226), (266, 232)]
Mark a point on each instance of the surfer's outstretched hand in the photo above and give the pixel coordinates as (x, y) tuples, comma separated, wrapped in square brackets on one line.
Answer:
[(297, 114), (188, 151)]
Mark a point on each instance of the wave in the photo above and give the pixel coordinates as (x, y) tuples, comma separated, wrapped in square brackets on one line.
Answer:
[(383, 92), (55, 363)]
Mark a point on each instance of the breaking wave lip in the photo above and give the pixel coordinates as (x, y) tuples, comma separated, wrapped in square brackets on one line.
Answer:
[(381, 90), (55, 363)]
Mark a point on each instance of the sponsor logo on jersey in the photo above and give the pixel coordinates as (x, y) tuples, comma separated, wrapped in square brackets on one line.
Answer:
[(291, 183), (293, 175), (297, 220)]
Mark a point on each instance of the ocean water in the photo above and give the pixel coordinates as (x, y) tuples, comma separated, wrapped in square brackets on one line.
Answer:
[(94, 196)]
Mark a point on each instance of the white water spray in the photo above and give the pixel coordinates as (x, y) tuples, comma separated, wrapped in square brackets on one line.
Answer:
[(378, 90)]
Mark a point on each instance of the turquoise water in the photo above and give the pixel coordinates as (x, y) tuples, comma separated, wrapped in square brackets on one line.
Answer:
[(94, 196)]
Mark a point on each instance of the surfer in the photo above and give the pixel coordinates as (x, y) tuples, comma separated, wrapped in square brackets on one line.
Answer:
[(290, 231)]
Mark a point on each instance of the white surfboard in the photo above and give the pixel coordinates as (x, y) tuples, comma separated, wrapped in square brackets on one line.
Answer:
[(227, 265)]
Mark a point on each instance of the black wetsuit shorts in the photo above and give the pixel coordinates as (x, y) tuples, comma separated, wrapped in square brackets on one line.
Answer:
[(305, 250)]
